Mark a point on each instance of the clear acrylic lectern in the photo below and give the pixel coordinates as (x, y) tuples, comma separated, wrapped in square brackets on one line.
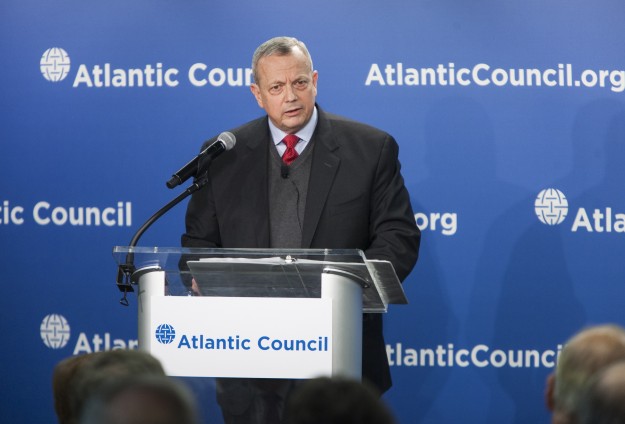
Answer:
[(251, 312)]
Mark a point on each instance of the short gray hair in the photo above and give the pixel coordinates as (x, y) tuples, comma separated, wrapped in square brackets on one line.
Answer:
[(583, 356), (281, 46)]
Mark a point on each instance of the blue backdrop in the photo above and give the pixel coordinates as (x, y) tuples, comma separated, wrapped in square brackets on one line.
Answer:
[(511, 122)]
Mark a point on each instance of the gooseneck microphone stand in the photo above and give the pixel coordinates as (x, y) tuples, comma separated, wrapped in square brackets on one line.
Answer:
[(127, 269)]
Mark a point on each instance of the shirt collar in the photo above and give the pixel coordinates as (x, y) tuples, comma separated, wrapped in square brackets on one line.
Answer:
[(305, 134)]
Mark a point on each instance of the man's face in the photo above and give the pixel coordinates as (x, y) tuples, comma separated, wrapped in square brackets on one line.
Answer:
[(286, 90)]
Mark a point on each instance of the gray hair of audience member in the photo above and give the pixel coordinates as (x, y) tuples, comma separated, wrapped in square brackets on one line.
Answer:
[(281, 46), (109, 366), (144, 399), (63, 380), (603, 402), (336, 400), (582, 356)]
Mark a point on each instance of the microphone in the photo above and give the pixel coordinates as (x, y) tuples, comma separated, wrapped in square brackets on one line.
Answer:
[(284, 171), (225, 141)]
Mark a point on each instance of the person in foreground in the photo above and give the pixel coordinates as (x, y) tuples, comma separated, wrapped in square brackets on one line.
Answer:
[(301, 177), (336, 401), (63, 382), (76, 378), (143, 399), (583, 355), (603, 402)]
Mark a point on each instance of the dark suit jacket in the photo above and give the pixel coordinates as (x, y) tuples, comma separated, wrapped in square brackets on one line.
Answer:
[(356, 200)]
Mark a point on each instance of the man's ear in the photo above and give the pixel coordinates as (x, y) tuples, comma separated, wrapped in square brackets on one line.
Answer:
[(550, 386), (256, 92)]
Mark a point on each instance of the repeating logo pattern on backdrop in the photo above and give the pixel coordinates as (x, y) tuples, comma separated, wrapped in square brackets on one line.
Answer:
[(55, 331), (55, 67), (55, 64), (551, 206), (56, 334)]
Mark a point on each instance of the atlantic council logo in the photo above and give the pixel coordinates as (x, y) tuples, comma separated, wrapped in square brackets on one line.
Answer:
[(551, 206), (165, 334), (55, 64), (55, 331)]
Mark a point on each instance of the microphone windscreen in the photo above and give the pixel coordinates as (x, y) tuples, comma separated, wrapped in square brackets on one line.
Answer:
[(228, 139)]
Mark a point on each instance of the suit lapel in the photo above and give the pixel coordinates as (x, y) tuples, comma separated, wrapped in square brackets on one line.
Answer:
[(325, 164), (252, 177)]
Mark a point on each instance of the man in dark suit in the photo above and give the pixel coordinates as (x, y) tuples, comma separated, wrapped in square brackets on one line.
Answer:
[(303, 178)]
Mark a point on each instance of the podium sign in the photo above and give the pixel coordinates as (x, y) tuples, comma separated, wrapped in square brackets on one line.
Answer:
[(242, 337)]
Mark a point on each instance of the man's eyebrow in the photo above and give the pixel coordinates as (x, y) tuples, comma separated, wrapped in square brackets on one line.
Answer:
[(275, 81)]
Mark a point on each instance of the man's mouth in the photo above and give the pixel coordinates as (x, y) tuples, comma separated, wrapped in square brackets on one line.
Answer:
[(292, 112)]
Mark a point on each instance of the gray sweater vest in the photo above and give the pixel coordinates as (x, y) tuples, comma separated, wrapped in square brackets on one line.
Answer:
[(287, 199)]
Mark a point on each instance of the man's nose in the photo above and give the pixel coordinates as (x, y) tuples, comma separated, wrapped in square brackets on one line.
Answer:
[(289, 93)]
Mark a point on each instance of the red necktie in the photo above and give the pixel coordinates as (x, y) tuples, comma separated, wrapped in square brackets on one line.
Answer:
[(290, 154)]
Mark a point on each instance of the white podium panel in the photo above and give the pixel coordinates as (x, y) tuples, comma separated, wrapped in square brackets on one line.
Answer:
[(242, 337)]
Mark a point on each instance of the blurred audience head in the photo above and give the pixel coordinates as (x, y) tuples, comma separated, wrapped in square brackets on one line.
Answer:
[(63, 378), (76, 378), (603, 401), (145, 399), (582, 356), (336, 401)]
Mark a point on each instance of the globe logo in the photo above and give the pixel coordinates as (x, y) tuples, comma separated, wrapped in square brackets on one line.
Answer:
[(551, 206), (54, 331), (54, 64), (165, 333)]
